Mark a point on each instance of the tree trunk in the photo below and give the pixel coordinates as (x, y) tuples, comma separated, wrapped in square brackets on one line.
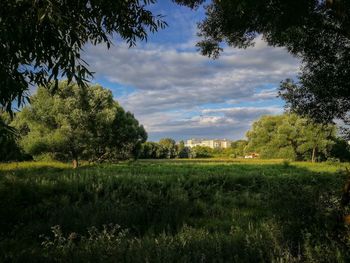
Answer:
[(75, 163), (313, 155)]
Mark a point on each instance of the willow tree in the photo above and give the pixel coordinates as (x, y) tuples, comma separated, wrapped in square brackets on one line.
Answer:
[(75, 123), (42, 40), (290, 136)]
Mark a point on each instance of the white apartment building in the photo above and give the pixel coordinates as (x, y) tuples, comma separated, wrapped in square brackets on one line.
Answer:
[(216, 143)]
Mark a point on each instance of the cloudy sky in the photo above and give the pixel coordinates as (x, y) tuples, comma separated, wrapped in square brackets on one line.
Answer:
[(176, 92)]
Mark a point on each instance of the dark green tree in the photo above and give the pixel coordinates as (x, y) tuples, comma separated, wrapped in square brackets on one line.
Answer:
[(9, 147), (127, 135), (340, 150), (150, 150), (182, 150), (317, 32), (42, 40)]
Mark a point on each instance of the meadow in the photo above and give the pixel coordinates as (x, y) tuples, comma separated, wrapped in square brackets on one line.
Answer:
[(173, 211)]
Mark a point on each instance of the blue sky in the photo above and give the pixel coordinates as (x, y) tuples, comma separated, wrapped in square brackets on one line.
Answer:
[(175, 92)]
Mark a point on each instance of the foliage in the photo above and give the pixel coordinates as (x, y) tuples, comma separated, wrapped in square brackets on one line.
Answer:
[(9, 148), (317, 32), (42, 40), (173, 211), (238, 148), (183, 151), (316, 138), (151, 150), (291, 137), (166, 148), (75, 123), (169, 147), (201, 152), (341, 150), (127, 135)]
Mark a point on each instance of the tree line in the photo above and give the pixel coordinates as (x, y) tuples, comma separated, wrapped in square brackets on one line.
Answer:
[(73, 124), (290, 136), (167, 148), (286, 136), (42, 42)]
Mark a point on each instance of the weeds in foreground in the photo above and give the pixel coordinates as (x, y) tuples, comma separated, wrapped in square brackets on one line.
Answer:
[(173, 212)]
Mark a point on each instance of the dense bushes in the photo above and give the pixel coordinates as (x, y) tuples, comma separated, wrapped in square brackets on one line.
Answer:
[(165, 149), (201, 152), (168, 149)]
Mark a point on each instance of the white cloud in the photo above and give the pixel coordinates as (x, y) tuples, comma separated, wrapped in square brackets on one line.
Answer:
[(212, 123), (169, 84)]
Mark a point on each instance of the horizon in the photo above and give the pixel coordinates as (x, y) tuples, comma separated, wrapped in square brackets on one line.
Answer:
[(202, 139)]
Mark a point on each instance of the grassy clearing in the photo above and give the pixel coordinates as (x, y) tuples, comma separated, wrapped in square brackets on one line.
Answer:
[(173, 211)]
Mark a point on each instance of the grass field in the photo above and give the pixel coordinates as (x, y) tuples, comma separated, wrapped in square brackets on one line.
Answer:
[(173, 211)]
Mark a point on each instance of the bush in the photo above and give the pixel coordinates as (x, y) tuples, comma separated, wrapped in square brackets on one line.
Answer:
[(201, 152)]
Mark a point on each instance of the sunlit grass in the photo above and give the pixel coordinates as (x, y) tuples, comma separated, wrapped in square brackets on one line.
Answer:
[(317, 167), (234, 210), (30, 165)]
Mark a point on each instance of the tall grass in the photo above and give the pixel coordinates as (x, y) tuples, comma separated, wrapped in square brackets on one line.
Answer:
[(173, 211)]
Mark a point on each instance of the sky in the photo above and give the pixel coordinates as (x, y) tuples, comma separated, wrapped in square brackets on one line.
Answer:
[(176, 92)]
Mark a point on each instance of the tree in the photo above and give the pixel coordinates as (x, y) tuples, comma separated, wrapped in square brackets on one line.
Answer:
[(261, 135), (127, 135), (290, 136), (201, 152), (77, 123), (169, 147), (340, 150), (182, 150), (318, 32), (315, 138), (42, 41), (150, 150), (238, 147), (9, 148)]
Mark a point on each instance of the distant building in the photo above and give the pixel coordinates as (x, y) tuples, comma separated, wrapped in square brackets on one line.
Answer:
[(217, 143)]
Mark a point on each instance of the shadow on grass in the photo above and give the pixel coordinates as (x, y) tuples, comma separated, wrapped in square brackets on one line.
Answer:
[(151, 198)]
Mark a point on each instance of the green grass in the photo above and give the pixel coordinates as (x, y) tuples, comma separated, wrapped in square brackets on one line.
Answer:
[(213, 210)]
